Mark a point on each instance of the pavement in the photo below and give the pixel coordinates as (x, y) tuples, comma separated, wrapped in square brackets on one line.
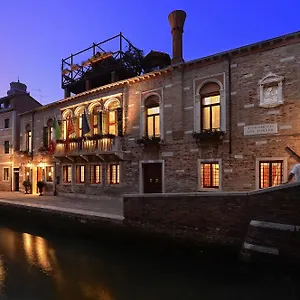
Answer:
[(110, 209)]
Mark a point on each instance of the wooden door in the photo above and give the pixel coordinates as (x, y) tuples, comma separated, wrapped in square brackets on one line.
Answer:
[(152, 175)]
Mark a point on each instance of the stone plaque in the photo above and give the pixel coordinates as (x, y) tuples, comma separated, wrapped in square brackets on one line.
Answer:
[(270, 89), (260, 129)]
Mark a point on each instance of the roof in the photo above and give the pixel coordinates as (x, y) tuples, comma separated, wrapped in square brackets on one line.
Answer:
[(265, 45)]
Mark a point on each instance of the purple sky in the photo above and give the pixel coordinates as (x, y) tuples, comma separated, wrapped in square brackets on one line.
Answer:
[(36, 34)]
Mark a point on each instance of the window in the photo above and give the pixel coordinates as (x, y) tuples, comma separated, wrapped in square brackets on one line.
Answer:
[(67, 174), (28, 138), (210, 106), (27, 173), (95, 124), (152, 116), (5, 174), (49, 174), (113, 174), (270, 173), (112, 117), (210, 175), (6, 123), (96, 174), (47, 133), (80, 174), (6, 147)]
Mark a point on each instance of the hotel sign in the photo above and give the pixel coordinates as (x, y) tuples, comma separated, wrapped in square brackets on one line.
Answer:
[(260, 129)]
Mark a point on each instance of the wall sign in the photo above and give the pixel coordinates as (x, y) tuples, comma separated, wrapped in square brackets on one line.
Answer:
[(260, 129)]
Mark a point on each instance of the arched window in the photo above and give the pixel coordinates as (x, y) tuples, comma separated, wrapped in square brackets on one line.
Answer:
[(210, 107), (95, 119), (47, 133), (112, 117), (152, 116), (78, 121), (67, 118), (28, 138)]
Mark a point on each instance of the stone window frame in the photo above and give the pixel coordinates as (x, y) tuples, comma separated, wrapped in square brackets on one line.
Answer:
[(7, 122), (210, 160), (106, 108), (91, 107), (143, 113), (62, 174), (8, 174), (46, 175), (270, 80), (107, 170), (269, 159), (198, 99), (141, 177), (67, 113), (85, 169), (102, 173)]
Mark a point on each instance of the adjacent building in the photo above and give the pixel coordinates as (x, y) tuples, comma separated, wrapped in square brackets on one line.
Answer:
[(218, 123), (17, 101)]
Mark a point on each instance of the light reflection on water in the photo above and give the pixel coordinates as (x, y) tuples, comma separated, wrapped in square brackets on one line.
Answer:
[(33, 267)]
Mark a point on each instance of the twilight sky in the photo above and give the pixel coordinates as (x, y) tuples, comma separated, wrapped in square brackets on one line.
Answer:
[(36, 34)]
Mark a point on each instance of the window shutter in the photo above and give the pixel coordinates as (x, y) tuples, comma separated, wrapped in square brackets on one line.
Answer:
[(100, 125), (104, 122), (76, 126), (120, 121), (45, 136)]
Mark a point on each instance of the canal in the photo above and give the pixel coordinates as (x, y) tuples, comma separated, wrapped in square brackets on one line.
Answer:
[(43, 265)]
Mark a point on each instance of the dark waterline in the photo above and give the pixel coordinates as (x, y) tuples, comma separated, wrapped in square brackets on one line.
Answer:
[(47, 266)]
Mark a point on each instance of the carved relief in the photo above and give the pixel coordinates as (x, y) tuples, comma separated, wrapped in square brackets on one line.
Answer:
[(270, 91)]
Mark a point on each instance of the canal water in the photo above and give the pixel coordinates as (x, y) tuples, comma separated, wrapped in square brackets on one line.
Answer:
[(46, 266)]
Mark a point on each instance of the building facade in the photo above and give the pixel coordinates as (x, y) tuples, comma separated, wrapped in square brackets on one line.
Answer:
[(219, 123), (17, 101)]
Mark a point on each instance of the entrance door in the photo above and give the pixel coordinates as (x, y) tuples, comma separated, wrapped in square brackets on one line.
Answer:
[(16, 179), (152, 174)]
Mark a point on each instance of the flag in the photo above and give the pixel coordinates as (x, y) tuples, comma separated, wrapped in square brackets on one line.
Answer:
[(55, 135), (70, 127), (85, 124)]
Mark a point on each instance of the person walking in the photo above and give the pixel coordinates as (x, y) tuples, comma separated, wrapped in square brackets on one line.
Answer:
[(295, 172)]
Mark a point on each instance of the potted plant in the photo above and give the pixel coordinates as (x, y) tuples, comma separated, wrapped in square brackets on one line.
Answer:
[(149, 140), (209, 136), (40, 186), (27, 185)]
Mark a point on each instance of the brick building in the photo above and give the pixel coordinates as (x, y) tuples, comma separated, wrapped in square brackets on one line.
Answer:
[(17, 101), (218, 123)]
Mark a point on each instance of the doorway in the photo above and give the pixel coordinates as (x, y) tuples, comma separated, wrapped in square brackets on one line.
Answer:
[(152, 177), (16, 180)]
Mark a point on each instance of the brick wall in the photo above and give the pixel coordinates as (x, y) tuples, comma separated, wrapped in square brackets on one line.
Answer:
[(208, 218)]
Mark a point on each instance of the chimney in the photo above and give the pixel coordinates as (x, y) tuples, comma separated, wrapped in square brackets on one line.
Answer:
[(176, 20)]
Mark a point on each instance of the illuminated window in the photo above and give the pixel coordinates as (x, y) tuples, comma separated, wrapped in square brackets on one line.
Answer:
[(27, 173), (28, 138), (210, 111), (96, 174), (113, 174), (95, 118), (80, 125), (112, 117), (6, 123), (210, 175), (67, 174), (80, 174), (152, 116), (270, 173), (5, 174), (6, 147), (49, 174)]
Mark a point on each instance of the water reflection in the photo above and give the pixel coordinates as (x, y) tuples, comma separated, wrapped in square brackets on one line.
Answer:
[(34, 267)]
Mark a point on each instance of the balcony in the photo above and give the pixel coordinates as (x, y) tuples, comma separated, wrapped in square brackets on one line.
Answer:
[(102, 147)]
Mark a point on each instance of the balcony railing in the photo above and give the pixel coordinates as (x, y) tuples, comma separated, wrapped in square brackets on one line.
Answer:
[(82, 146)]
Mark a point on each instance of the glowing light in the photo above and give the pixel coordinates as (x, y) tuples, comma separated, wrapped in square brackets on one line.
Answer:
[(28, 247)]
